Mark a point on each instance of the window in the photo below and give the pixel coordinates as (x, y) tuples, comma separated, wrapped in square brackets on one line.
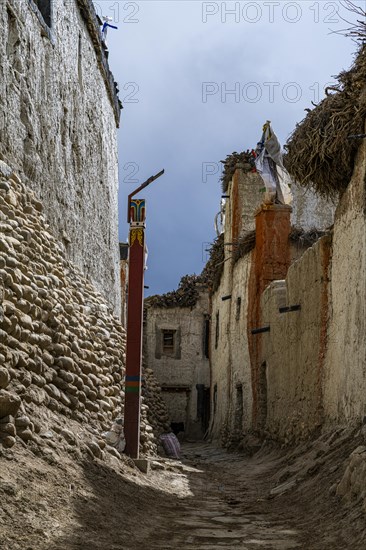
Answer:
[(168, 342), (44, 7)]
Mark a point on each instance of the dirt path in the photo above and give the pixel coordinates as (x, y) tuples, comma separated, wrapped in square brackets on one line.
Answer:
[(232, 507), (210, 500), (229, 509)]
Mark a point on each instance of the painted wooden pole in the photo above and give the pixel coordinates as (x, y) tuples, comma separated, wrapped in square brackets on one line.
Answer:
[(135, 303), (134, 326)]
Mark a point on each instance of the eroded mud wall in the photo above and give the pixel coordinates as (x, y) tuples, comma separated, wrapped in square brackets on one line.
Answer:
[(293, 352), (316, 357)]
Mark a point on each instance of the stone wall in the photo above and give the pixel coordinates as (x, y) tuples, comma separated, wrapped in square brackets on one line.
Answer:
[(179, 372), (58, 115), (62, 351), (157, 415), (61, 347)]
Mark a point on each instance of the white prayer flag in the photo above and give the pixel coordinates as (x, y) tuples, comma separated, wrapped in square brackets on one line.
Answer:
[(269, 165)]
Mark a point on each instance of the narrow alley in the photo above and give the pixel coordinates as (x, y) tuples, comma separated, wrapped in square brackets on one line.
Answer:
[(182, 358)]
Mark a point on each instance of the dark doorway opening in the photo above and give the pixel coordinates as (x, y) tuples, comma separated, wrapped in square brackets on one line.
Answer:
[(203, 406), (206, 342)]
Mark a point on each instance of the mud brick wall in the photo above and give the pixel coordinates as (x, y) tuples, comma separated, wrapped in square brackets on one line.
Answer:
[(229, 352), (293, 351), (345, 359), (316, 357)]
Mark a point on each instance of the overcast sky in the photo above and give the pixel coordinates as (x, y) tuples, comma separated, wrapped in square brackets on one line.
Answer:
[(197, 81)]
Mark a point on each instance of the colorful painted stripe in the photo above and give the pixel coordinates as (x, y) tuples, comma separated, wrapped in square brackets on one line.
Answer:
[(132, 389)]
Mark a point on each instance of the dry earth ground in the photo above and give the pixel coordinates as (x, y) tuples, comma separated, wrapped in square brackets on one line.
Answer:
[(276, 499)]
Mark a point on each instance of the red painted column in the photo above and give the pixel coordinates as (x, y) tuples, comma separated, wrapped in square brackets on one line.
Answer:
[(273, 227), (134, 328)]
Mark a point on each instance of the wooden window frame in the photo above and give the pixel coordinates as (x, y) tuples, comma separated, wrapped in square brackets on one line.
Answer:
[(168, 334)]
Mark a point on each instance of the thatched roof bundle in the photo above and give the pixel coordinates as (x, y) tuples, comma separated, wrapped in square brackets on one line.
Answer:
[(186, 294), (306, 238), (245, 244), (246, 161), (214, 268), (320, 152), (190, 286)]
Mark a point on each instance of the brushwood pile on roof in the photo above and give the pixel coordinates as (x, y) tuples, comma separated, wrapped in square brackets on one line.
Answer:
[(190, 286), (306, 238), (320, 152), (245, 244), (186, 294), (247, 161), (215, 266)]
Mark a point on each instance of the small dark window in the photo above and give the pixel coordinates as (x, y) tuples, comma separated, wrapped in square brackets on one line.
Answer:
[(238, 308), (217, 331), (44, 7), (168, 342)]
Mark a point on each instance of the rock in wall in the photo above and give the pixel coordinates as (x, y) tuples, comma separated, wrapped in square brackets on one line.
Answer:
[(62, 351)]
